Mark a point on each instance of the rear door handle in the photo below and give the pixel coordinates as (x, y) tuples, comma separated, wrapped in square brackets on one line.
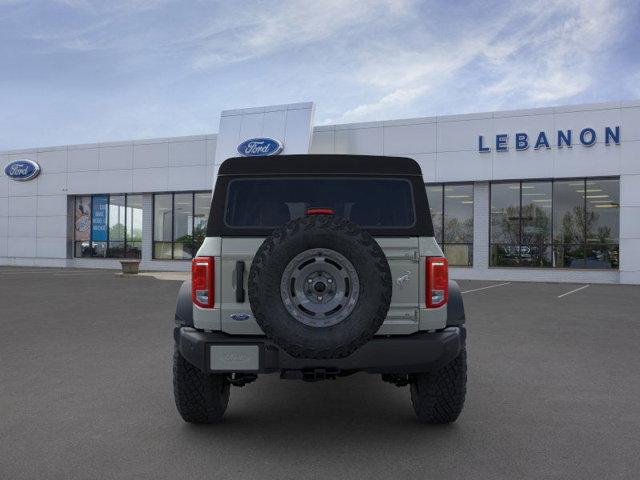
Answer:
[(240, 282)]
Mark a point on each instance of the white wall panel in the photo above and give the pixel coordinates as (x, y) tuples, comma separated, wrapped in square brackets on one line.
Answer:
[(581, 161), (463, 166), (364, 141), (4, 181), (22, 189), (410, 139), (115, 181), (52, 161), (188, 153), (630, 157), (228, 137), (528, 163), (189, 178), (273, 125), (52, 183), (117, 157), (51, 226), (22, 227), (323, 142), (21, 246), (463, 135), (51, 205), (4, 206), (51, 247), (298, 128), (150, 180), (428, 164), (630, 124), (83, 159), (22, 206), (84, 182), (211, 150), (630, 191), (629, 222), (251, 126), (151, 155)]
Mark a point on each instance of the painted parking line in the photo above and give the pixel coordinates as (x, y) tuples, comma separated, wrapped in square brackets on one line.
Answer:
[(573, 291), (487, 287)]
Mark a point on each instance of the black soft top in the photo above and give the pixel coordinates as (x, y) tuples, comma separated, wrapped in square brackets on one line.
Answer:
[(320, 164)]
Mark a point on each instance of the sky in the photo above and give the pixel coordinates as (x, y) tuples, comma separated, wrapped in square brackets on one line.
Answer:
[(79, 71)]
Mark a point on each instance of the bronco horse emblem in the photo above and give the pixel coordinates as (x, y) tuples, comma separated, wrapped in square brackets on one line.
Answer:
[(401, 280)]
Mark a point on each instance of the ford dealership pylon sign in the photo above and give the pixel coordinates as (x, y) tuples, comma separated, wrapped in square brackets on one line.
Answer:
[(258, 147), (22, 170)]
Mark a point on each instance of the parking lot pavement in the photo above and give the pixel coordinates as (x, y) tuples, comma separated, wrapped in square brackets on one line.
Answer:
[(85, 392)]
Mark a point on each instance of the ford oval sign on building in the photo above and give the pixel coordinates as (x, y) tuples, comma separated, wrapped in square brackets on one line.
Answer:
[(22, 170), (259, 147)]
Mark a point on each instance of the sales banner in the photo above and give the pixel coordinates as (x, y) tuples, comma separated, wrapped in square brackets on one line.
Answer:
[(99, 218), (83, 219)]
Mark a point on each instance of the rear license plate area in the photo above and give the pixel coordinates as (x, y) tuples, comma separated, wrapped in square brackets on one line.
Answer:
[(234, 358)]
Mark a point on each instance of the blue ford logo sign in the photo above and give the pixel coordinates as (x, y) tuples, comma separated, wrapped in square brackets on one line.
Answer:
[(258, 147), (22, 170)]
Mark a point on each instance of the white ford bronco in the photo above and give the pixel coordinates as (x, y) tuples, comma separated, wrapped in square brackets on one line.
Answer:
[(317, 267)]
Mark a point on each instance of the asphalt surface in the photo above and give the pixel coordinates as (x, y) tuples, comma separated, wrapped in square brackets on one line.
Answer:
[(85, 392)]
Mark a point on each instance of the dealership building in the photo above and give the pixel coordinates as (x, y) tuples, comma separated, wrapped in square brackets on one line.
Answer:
[(548, 194)]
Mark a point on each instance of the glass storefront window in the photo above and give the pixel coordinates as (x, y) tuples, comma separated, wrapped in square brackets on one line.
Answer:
[(162, 225), (201, 204), (134, 226), (505, 224), (117, 219), (535, 234), (451, 207), (108, 226), (180, 223), (564, 223), (436, 205)]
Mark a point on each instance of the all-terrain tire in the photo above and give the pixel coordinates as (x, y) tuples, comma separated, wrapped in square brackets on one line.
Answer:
[(200, 397), (438, 397), (317, 232)]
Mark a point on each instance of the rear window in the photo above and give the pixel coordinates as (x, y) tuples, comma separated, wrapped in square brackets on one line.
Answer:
[(270, 202)]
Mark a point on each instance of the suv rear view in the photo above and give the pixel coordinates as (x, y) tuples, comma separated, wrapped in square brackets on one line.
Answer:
[(315, 267)]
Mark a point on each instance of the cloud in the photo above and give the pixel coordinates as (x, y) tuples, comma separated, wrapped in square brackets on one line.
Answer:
[(555, 63), (285, 26), (542, 53), (125, 69)]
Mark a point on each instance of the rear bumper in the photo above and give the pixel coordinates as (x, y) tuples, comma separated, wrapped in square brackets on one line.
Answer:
[(419, 352)]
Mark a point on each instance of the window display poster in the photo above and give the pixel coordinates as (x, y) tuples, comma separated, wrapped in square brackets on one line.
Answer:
[(99, 218), (83, 219)]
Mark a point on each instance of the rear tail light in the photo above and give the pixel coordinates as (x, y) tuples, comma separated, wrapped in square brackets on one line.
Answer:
[(437, 281), (202, 281)]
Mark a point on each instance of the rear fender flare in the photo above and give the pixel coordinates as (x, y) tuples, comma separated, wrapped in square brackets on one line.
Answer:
[(455, 306), (184, 306)]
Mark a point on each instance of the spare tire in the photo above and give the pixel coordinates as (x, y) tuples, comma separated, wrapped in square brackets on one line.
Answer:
[(320, 287)]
